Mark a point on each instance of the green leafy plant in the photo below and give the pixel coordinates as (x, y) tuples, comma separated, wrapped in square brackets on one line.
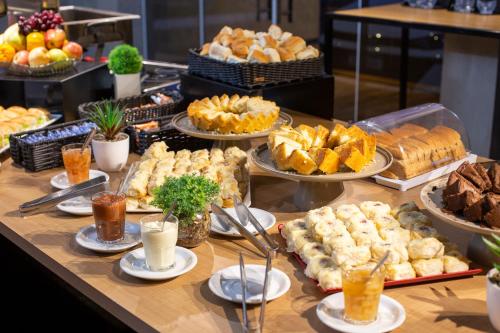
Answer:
[(494, 246), (109, 118), (125, 59), (191, 193)]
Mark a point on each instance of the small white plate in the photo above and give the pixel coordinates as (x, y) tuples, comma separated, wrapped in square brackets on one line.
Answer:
[(266, 219), (134, 263), (87, 238), (391, 315), (77, 206), (229, 286), (60, 180)]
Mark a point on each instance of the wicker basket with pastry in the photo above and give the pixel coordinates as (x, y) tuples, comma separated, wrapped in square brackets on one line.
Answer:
[(233, 114), (237, 45), (309, 150)]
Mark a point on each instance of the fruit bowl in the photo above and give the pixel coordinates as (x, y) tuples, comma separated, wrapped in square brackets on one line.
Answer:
[(53, 68)]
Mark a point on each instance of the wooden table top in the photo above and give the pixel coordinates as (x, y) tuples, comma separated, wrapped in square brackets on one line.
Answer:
[(441, 19), (185, 303)]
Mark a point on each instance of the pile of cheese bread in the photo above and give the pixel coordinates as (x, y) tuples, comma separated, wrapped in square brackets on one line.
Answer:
[(329, 240), (417, 150), (307, 149), (17, 119), (227, 168), (240, 45)]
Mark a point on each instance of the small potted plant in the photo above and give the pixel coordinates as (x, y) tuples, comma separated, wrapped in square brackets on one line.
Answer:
[(125, 63), (493, 283), (192, 195), (110, 145)]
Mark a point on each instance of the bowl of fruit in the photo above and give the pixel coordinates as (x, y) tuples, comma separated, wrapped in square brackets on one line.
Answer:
[(37, 46)]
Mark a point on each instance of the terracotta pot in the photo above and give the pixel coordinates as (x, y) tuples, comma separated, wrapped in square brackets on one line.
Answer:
[(111, 155), (194, 232), (493, 300)]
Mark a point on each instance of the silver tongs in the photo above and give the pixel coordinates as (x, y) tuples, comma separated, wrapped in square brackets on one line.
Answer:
[(247, 325), (270, 247), (89, 187)]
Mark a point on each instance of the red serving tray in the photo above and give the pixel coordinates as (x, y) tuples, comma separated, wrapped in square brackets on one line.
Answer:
[(405, 282)]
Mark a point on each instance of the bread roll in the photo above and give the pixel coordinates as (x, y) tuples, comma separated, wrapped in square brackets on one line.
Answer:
[(285, 36), (219, 52), (204, 49), (272, 54), (285, 54), (258, 57), (308, 53), (294, 44), (275, 31), (267, 41), (232, 59)]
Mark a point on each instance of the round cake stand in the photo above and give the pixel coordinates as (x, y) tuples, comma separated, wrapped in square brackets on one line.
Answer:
[(431, 196), (319, 190), (183, 124)]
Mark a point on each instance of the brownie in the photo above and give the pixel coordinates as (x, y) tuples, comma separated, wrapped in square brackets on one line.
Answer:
[(493, 217), (475, 211), (458, 184), (481, 170), (494, 174), (469, 172), (457, 202)]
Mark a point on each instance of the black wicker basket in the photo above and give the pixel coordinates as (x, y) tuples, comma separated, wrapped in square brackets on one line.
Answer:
[(175, 140), (43, 155), (250, 75), (135, 113)]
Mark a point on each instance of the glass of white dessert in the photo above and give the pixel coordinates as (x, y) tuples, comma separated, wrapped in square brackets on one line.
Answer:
[(159, 239)]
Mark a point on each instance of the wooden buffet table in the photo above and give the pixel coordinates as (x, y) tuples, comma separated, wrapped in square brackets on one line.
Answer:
[(185, 304)]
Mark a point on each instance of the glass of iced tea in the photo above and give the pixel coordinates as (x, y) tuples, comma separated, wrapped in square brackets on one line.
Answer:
[(109, 215), (362, 294), (76, 162)]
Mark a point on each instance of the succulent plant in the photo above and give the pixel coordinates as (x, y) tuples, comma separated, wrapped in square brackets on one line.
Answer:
[(125, 59), (109, 118), (494, 246)]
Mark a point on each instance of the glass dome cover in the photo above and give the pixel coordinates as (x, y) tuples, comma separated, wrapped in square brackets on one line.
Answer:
[(421, 139)]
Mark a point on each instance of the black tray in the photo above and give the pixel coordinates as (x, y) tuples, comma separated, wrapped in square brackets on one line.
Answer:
[(250, 75), (135, 101), (43, 155), (175, 140)]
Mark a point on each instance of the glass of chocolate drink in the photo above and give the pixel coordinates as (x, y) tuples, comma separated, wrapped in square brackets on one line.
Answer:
[(109, 215)]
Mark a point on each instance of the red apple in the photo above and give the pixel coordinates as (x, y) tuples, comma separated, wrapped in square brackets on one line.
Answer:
[(54, 38), (38, 57), (21, 58), (73, 50)]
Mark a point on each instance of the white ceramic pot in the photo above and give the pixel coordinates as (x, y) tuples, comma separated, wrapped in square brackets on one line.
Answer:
[(127, 85), (111, 155), (493, 300)]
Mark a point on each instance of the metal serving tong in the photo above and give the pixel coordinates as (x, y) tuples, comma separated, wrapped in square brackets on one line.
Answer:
[(247, 325), (89, 187), (244, 215)]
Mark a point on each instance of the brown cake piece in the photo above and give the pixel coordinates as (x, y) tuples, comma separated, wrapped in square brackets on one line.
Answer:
[(475, 211), (457, 184), (494, 174), (469, 172), (457, 202), (481, 170), (492, 217)]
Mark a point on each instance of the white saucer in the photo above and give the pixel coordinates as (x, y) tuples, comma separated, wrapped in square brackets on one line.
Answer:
[(391, 315), (87, 238), (134, 263), (76, 206), (60, 180), (230, 286), (266, 219)]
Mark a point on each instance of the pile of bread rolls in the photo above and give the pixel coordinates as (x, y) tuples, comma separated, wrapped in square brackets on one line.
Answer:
[(239, 45)]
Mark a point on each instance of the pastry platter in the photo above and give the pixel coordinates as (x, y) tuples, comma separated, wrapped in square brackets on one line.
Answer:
[(312, 188), (183, 124), (431, 196)]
